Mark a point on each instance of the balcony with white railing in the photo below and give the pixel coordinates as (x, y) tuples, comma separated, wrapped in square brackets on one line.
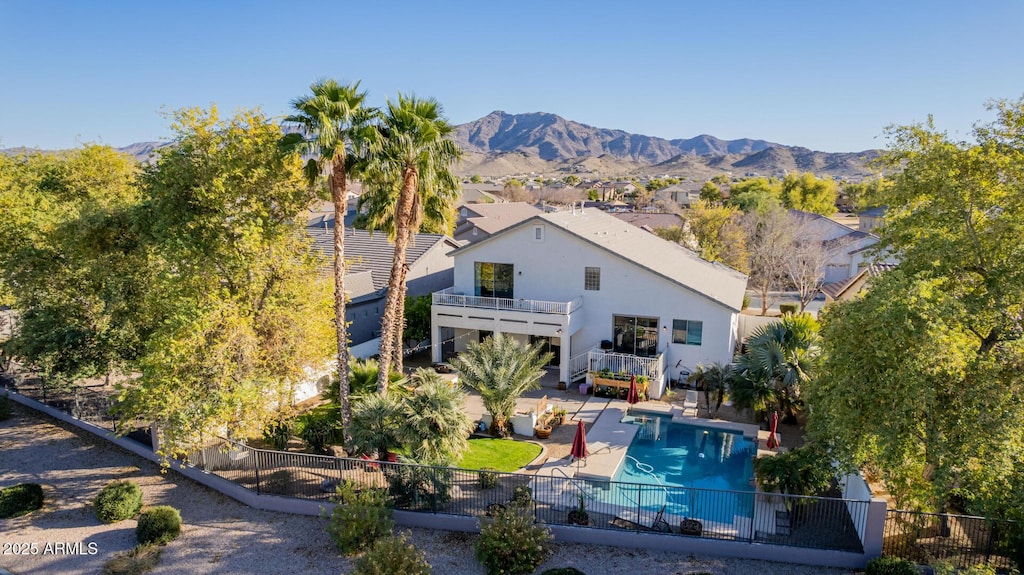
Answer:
[(448, 297)]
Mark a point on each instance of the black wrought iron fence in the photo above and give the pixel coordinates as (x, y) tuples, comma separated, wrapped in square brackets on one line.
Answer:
[(554, 499), (87, 404), (962, 540)]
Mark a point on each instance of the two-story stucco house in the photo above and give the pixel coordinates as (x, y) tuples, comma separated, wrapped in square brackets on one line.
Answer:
[(597, 292)]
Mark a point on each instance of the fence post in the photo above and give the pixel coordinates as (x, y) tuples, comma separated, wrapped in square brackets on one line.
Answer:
[(433, 496), (256, 467), (639, 495)]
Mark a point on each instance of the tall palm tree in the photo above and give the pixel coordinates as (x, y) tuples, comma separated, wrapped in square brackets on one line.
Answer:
[(409, 177), (501, 369), (332, 120)]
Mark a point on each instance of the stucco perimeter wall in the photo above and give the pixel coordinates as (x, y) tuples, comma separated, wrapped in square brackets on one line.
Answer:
[(615, 538)]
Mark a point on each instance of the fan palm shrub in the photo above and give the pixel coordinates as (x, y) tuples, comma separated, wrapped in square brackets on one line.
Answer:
[(434, 423)]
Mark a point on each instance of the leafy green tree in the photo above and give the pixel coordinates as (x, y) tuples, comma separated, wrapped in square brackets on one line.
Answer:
[(938, 405), (410, 179), (331, 121), (810, 194), (417, 318), (863, 195), (710, 193), (571, 180), (593, 195), (434, 422), (755, 195), (241, 310), (721, 180), (720, 234), (70, 261), (475, 179), (655, 184), (501, 370)]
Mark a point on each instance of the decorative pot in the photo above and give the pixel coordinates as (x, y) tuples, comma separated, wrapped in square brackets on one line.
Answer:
[(542, 432), (577, 517)]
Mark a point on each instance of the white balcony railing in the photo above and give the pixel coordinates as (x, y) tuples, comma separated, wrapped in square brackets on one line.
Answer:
[(447, 297)]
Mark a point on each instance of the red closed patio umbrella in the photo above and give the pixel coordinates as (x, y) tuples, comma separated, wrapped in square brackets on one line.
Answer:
[(773, 425), (633, 396), (579, 444)]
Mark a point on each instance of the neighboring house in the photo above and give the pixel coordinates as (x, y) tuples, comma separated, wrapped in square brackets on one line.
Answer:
[(475, 222), (683, 194), (648, 221), (481, 194), (868, 220), (849, 288), (847, 247), (595, 291), (368, 267)]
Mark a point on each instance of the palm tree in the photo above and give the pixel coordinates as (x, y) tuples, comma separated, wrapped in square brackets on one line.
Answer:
[(501, 369), (435, 424), (331, 120), (376, 425), (713, 379), (409, 178)]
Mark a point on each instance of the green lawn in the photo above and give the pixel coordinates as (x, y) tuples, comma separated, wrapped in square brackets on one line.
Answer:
[(500, 454)]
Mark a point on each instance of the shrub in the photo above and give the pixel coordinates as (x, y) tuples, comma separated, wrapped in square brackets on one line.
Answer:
[(277, 482), (415, 487), (6, 407), (277, 433), (118, 500), (141, 559), (890, 566), (522, 496), (487, 478), (319, 429), (512, 543), (392, 556), (158, 525), (788, 308), (21, 499), (563, 571), (359, 518)]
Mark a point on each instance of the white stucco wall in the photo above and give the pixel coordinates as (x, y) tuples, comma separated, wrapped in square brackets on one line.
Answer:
[(553, 269)]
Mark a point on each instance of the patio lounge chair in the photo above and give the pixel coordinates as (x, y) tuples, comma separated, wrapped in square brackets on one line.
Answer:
[(629, 520)]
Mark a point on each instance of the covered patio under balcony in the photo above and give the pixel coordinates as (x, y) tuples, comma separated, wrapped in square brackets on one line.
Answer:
[(457, 320)]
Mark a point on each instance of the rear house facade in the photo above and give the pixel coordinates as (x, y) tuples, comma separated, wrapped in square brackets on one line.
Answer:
[(595, 291)]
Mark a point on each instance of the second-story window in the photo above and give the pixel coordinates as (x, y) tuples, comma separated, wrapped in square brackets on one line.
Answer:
[(592, 279), (493, 280)]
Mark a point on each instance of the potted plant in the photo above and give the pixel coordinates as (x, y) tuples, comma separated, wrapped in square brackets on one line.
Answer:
[(579, 515), (560, 414), (543, 430)]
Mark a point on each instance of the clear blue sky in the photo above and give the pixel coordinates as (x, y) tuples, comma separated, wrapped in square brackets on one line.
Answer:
[(827, 75)]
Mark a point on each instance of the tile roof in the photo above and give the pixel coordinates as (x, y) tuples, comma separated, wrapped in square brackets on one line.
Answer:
[(368, 257)]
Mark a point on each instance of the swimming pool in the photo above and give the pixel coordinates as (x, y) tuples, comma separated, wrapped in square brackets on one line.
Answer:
[(692, 471)]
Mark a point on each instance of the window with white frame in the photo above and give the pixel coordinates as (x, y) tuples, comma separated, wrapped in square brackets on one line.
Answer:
[(538, 233), (592, 279), (687, 331)]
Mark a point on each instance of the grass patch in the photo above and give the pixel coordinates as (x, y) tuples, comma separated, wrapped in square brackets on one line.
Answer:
[(498, 454), (141, 559)]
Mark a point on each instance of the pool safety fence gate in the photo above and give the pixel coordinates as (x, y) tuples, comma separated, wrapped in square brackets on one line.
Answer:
[(812, 522), (962, 540)]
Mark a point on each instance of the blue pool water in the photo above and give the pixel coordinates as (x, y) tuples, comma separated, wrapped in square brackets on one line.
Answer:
[(691, 470)]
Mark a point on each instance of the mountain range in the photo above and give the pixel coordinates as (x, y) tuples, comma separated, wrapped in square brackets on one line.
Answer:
[(502, 144)]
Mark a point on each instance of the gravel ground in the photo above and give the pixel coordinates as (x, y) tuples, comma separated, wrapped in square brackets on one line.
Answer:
[(221, 536)]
